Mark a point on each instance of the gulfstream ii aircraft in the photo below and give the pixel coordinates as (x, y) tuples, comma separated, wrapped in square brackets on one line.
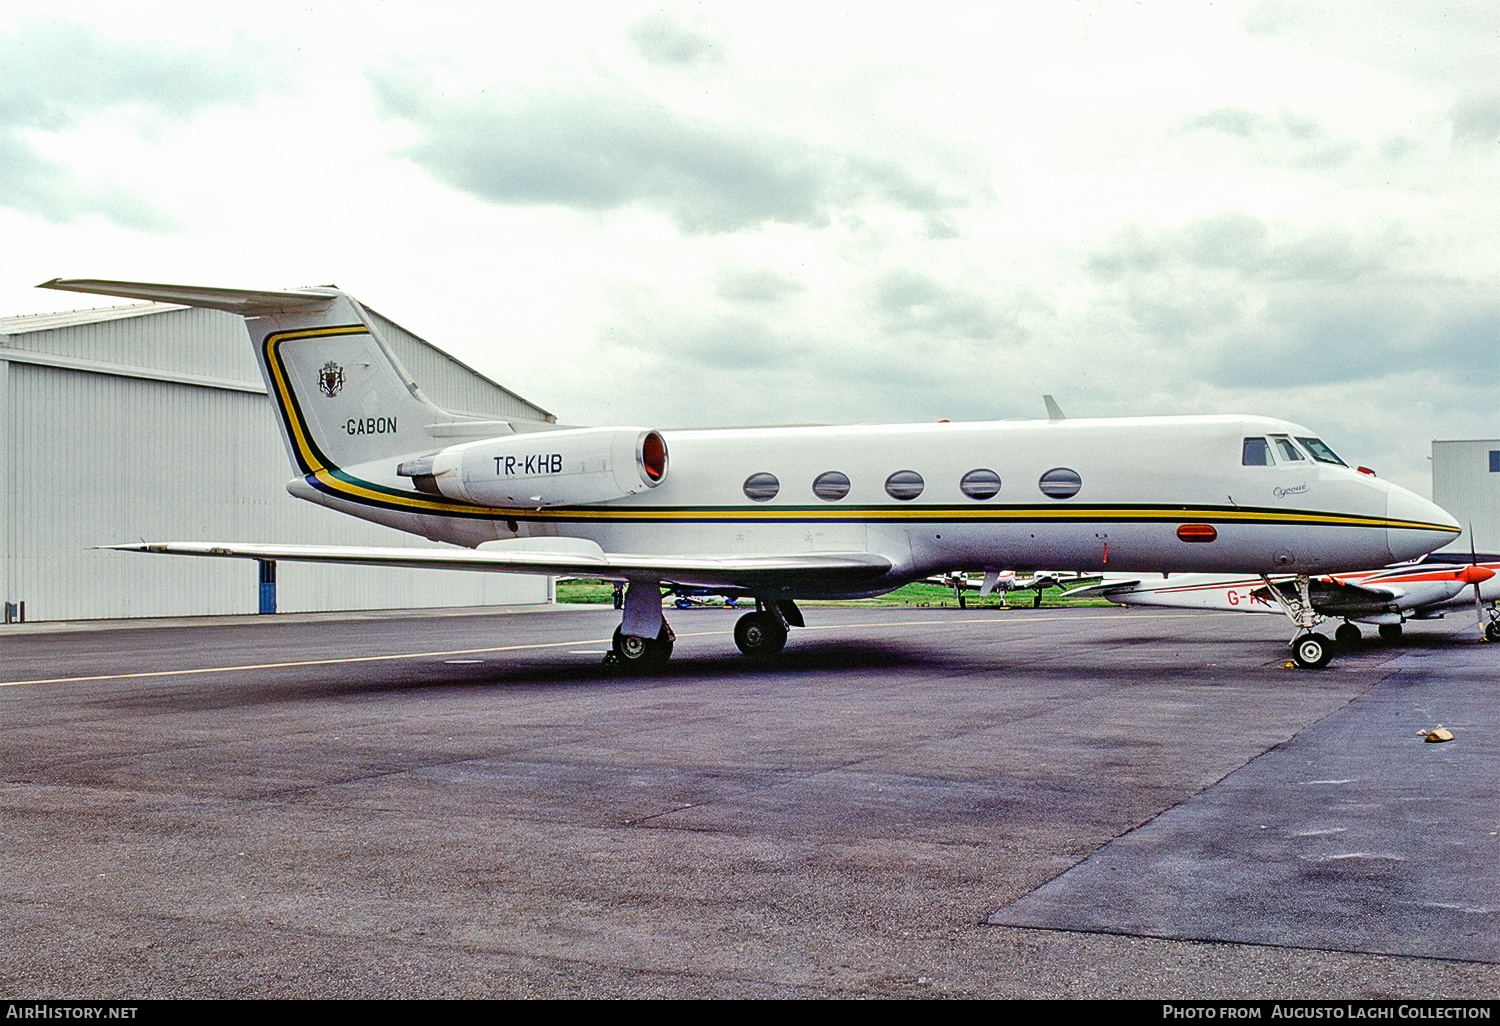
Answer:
[(781, 514)]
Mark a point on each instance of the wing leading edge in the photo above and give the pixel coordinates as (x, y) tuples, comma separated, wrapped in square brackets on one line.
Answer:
[(568, 557)]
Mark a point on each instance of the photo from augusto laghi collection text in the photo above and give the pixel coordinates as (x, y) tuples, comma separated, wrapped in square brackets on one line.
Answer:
[(1329, 1010)]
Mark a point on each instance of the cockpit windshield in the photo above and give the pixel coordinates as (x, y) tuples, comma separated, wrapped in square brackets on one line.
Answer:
[(1320, 451), (1286, 450)]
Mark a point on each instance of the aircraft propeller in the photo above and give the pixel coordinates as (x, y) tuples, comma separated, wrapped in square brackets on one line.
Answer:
[(1476, 575)]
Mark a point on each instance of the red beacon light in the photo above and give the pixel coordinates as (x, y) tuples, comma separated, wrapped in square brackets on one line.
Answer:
[(1365, 470)]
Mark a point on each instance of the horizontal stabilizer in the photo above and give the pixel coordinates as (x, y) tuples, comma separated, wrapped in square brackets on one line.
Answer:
[(559, 557), (244, 302)]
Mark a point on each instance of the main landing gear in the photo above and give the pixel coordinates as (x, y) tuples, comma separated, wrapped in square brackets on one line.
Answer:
[(644, 654), (643, 641), (1492, 629), (761, 635)]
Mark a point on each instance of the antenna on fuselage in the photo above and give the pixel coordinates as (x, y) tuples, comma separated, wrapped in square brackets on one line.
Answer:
[(1054, 411)]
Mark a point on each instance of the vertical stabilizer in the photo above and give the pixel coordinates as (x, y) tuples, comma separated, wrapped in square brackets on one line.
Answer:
[(341, 396)]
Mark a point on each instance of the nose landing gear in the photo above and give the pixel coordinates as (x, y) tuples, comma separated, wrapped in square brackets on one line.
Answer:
[(1312, 651)]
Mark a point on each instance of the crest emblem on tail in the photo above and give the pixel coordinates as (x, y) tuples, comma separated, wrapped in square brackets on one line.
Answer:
[(331, 379)]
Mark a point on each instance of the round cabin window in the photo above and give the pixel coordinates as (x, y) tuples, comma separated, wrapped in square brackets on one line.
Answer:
[(980, 484), (1060, 483), (904, 485), (761, 487), (831, 486)]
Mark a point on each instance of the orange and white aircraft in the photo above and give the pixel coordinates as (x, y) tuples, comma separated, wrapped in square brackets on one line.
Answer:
[(1386, 598), (780, 514)]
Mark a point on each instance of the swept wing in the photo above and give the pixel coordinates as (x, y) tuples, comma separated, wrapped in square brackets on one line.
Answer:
[(573, 557)]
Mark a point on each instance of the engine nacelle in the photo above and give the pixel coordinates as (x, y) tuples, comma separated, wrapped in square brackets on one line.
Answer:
[(545, 468)]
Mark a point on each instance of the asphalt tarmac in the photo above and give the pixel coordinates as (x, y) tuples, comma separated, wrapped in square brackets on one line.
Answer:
[(913, 803)]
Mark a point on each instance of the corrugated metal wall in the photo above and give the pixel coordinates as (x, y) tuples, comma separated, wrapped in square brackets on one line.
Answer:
[(94, 458), (213, 344), (1464, 485), (209, 343)]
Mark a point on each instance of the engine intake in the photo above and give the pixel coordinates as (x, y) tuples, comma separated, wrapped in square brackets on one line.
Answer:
[(545, 468)]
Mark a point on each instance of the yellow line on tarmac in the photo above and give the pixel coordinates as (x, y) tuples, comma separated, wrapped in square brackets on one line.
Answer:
[(300, 662), (537, 647)]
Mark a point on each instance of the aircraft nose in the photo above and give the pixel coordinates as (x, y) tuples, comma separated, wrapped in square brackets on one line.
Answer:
[(1417, 526)]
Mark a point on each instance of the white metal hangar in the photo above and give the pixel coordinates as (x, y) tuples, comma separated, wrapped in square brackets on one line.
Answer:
[(150, 422), (1466, 483)]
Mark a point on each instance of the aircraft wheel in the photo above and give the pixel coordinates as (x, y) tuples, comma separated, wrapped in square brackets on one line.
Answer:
[(644, 654), (1312, 651), (1390, 631), (760, 635), (1347, 635), (1492, 632)]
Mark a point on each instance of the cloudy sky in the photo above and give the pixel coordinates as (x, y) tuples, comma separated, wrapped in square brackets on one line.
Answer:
[(700, 214)]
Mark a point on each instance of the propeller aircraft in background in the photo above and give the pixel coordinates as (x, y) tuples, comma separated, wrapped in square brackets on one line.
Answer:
[(1387, 598), (994, 581)]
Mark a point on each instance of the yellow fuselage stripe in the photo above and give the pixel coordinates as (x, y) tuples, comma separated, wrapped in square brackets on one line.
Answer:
[(363, 493)]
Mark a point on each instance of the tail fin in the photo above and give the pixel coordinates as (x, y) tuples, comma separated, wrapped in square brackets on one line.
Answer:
[(342, 396)]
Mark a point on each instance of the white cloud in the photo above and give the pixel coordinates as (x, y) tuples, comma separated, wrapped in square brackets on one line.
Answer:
[(735, 213)]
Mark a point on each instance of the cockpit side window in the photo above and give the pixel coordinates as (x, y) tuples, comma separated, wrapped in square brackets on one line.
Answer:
[(1286, 450), (1320, 451), (1257, 453)]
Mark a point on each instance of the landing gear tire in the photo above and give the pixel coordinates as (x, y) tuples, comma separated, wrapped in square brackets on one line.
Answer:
[(643, 654), (1312, 651), (1492, 632), (1347, 635), (1390, 631), (760, 635)]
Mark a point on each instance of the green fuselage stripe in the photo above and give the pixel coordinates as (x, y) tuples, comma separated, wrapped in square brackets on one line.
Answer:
[(322, 474)]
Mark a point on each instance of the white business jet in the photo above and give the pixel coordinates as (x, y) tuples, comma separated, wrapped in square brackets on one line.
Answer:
[(780, 514)]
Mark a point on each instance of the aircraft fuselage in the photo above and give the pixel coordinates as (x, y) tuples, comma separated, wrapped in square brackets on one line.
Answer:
[(1155, 494)]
